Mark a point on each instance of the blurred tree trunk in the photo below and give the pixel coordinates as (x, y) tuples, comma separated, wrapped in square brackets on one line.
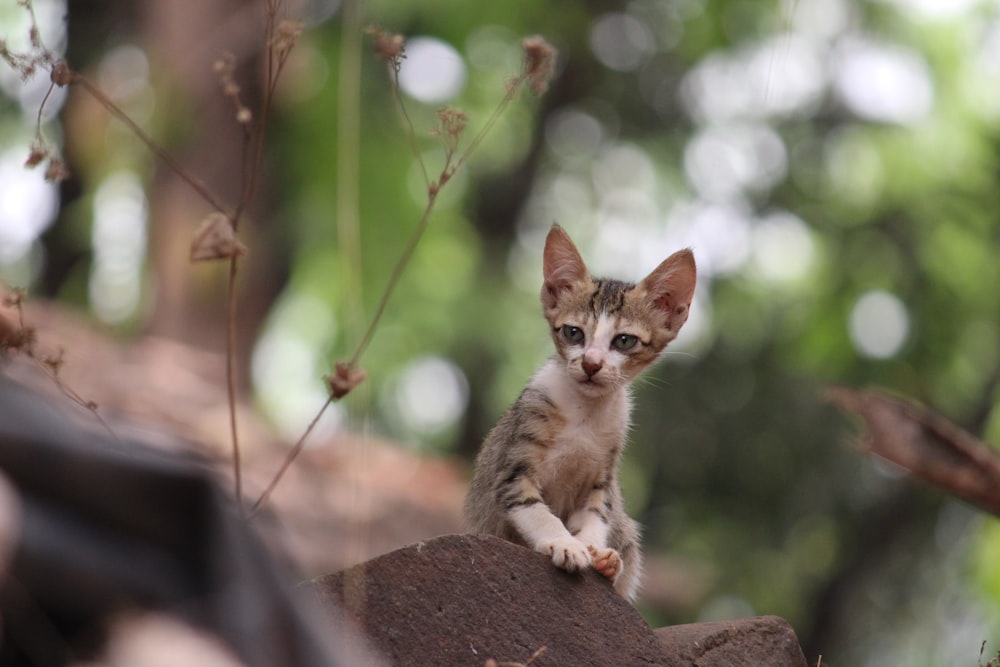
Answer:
[(183, 39)]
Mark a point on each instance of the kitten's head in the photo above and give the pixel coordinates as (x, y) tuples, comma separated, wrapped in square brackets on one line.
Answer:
[(608, 331)]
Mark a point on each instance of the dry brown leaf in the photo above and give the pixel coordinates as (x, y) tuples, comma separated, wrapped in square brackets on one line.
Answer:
[(216, 239), (926, 444)]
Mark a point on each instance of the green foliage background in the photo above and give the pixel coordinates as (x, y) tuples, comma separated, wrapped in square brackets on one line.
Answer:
[(753, 497)]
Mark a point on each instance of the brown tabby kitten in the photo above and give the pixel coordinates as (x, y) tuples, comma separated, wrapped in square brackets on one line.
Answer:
[(547, 474)]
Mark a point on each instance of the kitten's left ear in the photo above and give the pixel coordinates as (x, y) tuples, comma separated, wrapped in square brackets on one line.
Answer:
[(671, 287), (562, 267)]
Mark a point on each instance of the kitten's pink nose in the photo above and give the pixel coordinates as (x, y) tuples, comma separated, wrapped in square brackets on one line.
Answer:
[(591, 367)]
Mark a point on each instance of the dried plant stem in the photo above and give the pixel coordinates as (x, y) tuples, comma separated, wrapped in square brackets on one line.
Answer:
[(41, 110), (411, 134), (79, 400), (50, 364), (252, 154), (231, 379), (537, 69), (247, 193), (279, 41), (233, 217), (206, 194), (369, 333), (273, 68), (278, 46), (488, 125), (168, 159), (449, 169), (291, 456), (348, 167), (397, 273), (348, 216), (394, 277)]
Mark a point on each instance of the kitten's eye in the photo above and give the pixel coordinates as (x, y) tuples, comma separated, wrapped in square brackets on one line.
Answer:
[(624, 342), (572, 334)]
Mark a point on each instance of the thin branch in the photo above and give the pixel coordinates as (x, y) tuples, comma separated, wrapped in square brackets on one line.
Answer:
[(279, 40), (231, 332), (537, 69), (348, 214), (281, 37), (432, 191), (411, 133), (490, 122), (289, 458), (168, 159), (397, 273), (77, 398), (23, 341), (231, 379), (41, 109), (253, 148)]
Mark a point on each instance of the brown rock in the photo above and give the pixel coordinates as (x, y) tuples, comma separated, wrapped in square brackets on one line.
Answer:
[(463, 599), (764, 641)]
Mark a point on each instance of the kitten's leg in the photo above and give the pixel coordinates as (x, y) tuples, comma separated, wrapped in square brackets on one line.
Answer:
[(545, 533), (627, 584), (590, 525), (607, 562), (537, 525)]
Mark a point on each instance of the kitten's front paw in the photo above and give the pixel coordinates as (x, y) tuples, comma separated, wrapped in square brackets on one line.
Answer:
[(567, 553), (606, 561)]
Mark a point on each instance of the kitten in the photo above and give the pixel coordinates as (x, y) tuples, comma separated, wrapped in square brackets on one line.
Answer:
[(547, 474)]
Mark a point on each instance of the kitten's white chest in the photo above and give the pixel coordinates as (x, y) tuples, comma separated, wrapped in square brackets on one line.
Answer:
[(586, 448)]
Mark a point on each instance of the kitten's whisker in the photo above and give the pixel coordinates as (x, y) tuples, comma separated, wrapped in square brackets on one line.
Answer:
[(653, 381)]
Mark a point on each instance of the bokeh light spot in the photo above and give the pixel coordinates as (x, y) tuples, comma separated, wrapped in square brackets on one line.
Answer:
[(430, 395), (28, 205), (433, 70), (119, 243), (879, 324), (783, 248), (621, 42), (884, 82)]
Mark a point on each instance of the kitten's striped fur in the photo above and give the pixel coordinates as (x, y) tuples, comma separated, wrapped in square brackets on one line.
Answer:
[(547, 474)]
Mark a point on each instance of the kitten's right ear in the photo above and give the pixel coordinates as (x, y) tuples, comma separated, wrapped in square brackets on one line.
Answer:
[(562, 266), (671, 287)]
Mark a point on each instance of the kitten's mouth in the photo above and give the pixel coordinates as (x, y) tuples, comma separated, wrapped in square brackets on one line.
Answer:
[(593, 385)]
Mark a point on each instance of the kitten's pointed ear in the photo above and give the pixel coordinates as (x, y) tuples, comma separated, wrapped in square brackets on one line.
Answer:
[(671, 287), (562, 266)]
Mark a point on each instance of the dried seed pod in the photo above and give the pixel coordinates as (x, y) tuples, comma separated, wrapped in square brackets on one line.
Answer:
[(344, 378), (539, 62), (63, 74), (216, 239)]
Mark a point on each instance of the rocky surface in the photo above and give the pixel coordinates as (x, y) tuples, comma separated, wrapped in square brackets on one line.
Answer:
[(762, 641), (465, 600)]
